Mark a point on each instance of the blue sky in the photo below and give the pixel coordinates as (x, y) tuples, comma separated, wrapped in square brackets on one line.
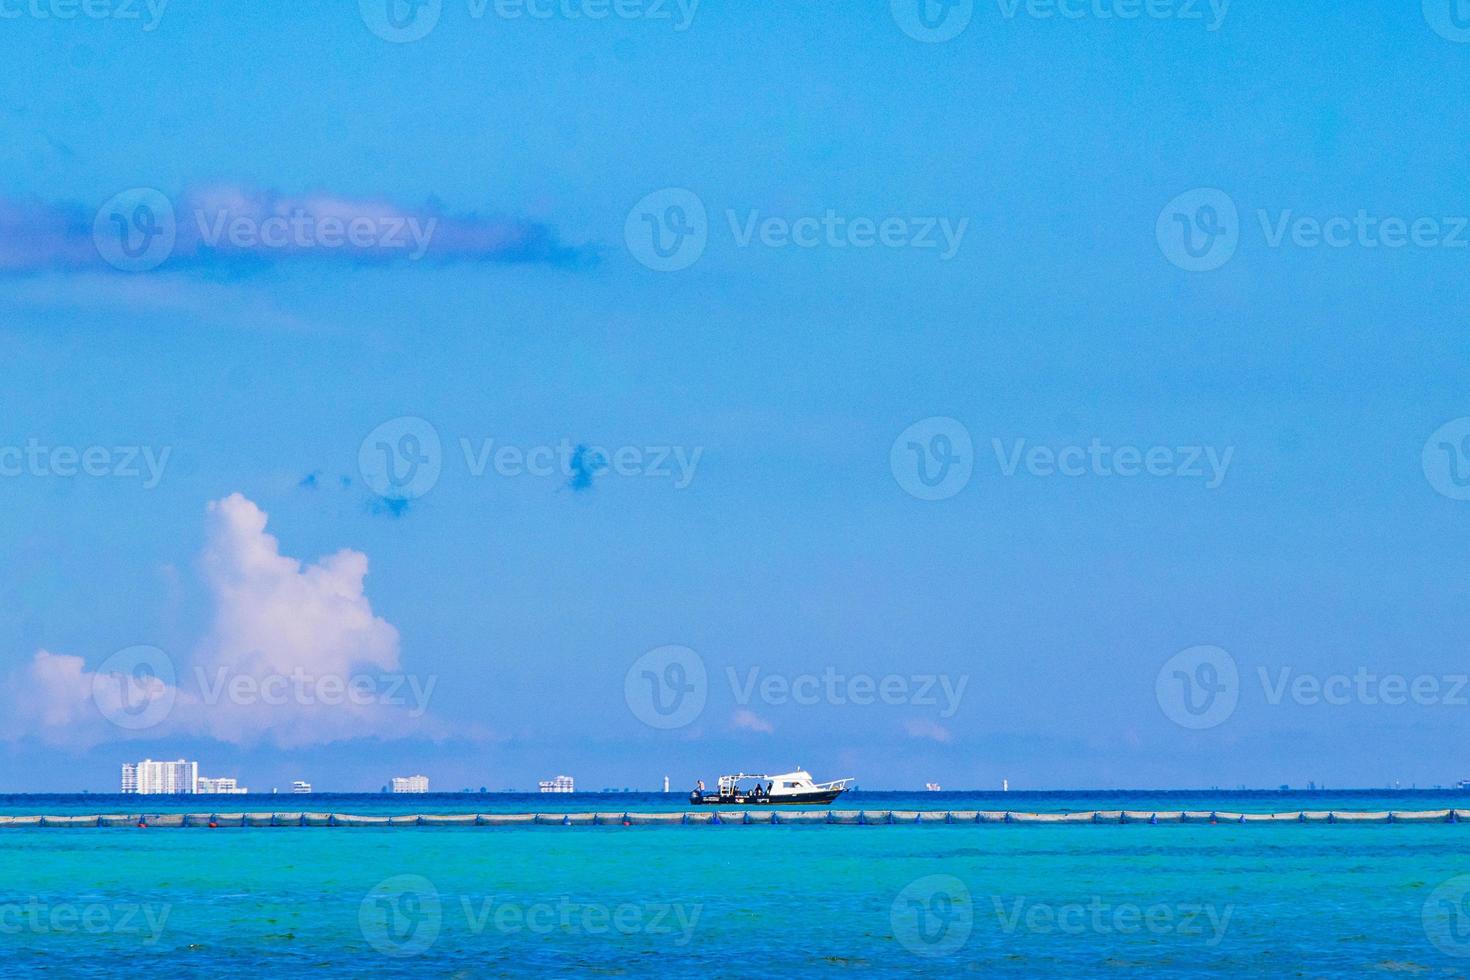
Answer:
[(1059, 151)]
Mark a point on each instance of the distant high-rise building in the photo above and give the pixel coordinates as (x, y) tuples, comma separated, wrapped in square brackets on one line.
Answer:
[(148, 777), (666, 784), (409, 784), (561, 784)]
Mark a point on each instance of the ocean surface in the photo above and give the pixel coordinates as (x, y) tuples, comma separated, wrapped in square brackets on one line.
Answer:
[(1026, 901)]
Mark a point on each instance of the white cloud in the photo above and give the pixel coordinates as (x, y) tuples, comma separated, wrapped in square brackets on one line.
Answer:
[(294, 655), (751, 722)]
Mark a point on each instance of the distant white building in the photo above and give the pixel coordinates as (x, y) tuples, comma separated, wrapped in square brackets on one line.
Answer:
[(561, 784), (301, 786), (409, 784), (224, 785), (150, 778)]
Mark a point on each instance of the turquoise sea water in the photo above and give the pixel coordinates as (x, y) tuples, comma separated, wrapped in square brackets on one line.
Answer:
[(1177, 900)]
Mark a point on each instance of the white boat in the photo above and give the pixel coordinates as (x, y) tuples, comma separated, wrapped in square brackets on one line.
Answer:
[(787, 788)]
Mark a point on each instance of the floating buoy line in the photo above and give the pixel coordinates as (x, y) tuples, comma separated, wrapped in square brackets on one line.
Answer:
[(864, 818)]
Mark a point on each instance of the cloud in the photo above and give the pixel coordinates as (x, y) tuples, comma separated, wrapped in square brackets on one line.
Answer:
[(923, 728), (241, 228), (294, 655), (749, 721)]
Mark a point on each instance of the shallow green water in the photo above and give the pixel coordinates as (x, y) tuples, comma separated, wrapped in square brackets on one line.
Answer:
[(1096, 901)]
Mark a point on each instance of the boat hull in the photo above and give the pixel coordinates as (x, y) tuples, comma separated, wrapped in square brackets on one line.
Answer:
[(818, 798)]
